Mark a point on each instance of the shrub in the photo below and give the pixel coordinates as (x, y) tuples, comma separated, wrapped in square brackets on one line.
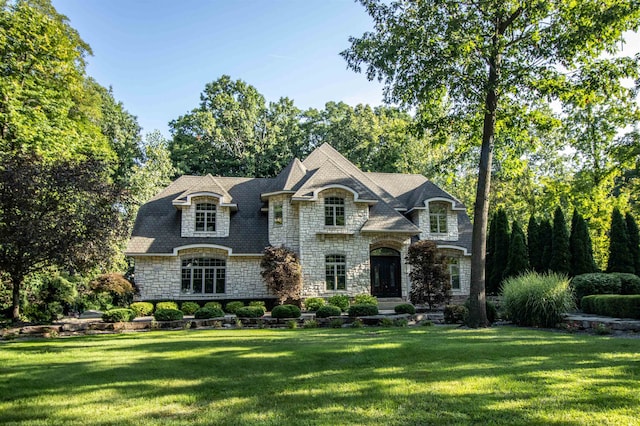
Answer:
[(400, 322), (427, 323), (165, 314), (166, 305), (596, 283), (117, 286), (613, 305), (250, 312), (232, 307), (119, 315), (386, 322), (285, 311), (312, 304), (292, 324), (492, 312), (310, 324), (455, 314), (629, 283), (258, 304), (206, 313), (405, 308), (215, 305), (336, 323), (339, 300), (327, 311), (142, 309), (357, 323), (537, 300), (365, 299), (430, 280), (282, 273), (189, 307), (363, 310)]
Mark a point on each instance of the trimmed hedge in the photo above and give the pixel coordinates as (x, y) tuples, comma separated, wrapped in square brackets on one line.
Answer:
[(250, 312), (596, 283), (339, 300), (629, 283), (455, 314), (405, 308), (327, 311), (213, 305), (285, 311), (168, 315), (312, 304), (258, 304), (189, 308), (613, 305), (363, 310), (166, 305), (142, 309), (206, 313), (232, 307), (119, 315), (365, 299)]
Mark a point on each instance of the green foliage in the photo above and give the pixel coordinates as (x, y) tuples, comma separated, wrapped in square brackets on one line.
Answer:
[(620, 259), (492, 311), (634, 241), (166, 305), (386, 322), (167, 314), (455, 314), (546, 237), (365, 299), (595, 283), (518, 258), (312, 304), (117, 286), (613, 305), (363, 310), (400, 322), (580, 247), (537, 300), (336, 323), (208, 312), (629, 283), (533, 243), (189, 308), (327, 311), (500, 253), (339, 300), (430, 280), (293, 324), (142, 309), (285, 311), (357, 323), (213, 305), (282, 273), (560, 255), (258, 304), (119, 315), (232, 307), (249, 312), (405, 308), (48, 296), (310, 324)]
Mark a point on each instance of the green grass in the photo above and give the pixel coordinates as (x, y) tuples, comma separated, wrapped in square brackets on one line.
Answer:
[(367, 376)]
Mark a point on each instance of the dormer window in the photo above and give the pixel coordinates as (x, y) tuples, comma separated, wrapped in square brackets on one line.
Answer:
[(438, 218), (334, 211), (205, 217)]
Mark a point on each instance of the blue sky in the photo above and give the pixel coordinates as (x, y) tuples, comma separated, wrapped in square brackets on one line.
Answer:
[(159, 54)]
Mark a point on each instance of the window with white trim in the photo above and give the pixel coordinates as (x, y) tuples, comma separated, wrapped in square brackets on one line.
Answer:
[(278, 217), (336, 272), (334, 211), (454, 272), (203, 275), (205, 217), (438, 218)]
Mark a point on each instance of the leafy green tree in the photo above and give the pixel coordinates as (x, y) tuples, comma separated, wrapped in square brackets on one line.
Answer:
[(518, 259), (634, 241), (620, 259), (533, 243), (546, 237), (560, 256), (501, 255), (483, 54), (580, 247)]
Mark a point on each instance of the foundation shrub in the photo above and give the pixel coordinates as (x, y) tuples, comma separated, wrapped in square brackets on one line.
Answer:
[(250, 312), (213, 305), (455, 314), (119, 315), (336, 323), (285, 311), (537, 300), (327, 311), (613, 305), (206, 313), (165, 314), (595, 283), (166, 305), (405, 308), (142, 309), (189, 308), (339, 300), (386, 322), (292, 324), (232, 307), (363, 310), (357, 323), (310, 324), (629, 283), (365, 299), (258, 304), (312, 304)]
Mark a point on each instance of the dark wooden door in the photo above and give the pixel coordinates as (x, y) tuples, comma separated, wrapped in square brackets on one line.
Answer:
[(385, 276)]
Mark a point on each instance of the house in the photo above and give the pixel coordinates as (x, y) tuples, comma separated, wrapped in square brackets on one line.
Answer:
[(202, 237)]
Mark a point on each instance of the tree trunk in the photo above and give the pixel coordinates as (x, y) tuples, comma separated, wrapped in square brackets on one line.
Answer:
[(16, 283)]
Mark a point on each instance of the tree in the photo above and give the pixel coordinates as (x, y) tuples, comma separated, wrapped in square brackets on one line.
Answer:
[(501, 253), (429, 274), (518, 259), (634, 242), (533, 243), (546, 242), (560, 256), (484, 54), (282, 273), (620, 259), (491, 248), (57, 213), (580, 247)]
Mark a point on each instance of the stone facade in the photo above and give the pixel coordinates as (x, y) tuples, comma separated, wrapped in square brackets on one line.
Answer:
[(423, 221), (223, 215)]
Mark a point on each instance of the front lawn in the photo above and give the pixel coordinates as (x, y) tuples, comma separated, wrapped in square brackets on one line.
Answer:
[(430, 375)]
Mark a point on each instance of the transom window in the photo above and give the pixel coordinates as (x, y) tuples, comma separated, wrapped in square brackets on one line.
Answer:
[(454, 272), (438, 218), (277, 214), (205, 217), (203, 275), (334, 211), (336, 272)]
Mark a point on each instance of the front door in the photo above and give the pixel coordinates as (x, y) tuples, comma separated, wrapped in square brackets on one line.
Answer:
[(385, 273)]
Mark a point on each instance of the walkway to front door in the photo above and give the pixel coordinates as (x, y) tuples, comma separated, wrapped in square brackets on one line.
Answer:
[(385, 273)]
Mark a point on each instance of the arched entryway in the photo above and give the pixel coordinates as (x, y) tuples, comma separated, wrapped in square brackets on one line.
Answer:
[(385, 272)]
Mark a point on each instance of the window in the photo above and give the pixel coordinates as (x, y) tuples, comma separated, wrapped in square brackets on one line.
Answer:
[(203, 275), (277, 214), (438, 218), (336, 272), (334, 211), (205, 217), (454, 272)]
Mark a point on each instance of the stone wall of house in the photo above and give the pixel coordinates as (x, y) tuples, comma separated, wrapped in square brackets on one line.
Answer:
[(288, 233), (424, 223), (188, 226), (465, 271)]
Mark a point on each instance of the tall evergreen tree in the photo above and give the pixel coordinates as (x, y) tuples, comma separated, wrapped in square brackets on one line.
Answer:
[(620, 259), (634, 242), (491, 248), (533, 244), (501, 252), (518, 259), (580, 247), (545, 233), (560, 255)]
